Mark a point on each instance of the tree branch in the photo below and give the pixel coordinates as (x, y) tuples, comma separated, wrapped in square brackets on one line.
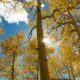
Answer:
[(52, 15), (30, 33)]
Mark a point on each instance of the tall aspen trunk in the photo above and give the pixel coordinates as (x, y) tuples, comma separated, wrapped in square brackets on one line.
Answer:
[(44, 73)]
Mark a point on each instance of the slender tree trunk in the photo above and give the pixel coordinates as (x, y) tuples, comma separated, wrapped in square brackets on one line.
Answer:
[(37, 66), (71, 70), (13, 61), (69, 74), (72, 73), (44, 73)]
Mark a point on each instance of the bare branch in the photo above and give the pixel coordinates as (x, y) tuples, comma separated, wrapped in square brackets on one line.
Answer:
[(52, 15), (59, 25), (30, 34)]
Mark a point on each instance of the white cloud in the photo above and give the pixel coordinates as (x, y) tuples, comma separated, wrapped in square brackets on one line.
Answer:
[(11, 14)]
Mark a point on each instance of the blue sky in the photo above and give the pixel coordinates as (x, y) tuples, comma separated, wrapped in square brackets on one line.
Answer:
[(2, 78), (12, 29)]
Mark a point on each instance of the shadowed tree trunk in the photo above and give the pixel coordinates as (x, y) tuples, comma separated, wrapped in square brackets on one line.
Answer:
[(37, 67), (13, 61), (72, 72), (44, 73)]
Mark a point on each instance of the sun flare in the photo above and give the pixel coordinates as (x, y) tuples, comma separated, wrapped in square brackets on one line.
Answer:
[(47, 41)]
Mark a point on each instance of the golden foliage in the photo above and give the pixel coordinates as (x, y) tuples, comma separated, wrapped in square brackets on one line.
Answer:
[(12, 44), (1, 31)]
